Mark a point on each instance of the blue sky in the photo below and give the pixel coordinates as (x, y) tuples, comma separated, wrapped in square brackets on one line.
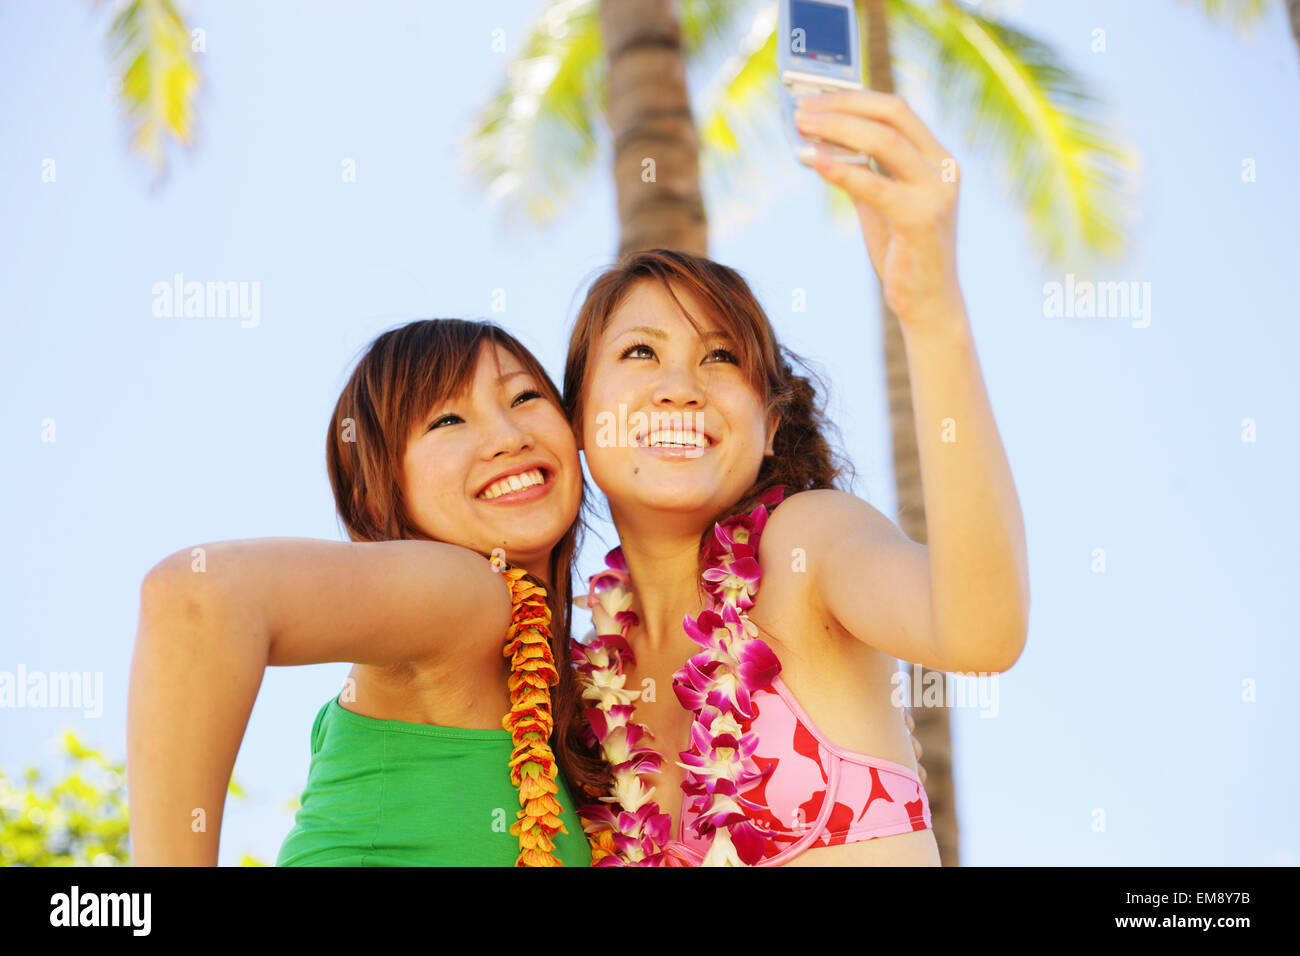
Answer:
[(170, 431)]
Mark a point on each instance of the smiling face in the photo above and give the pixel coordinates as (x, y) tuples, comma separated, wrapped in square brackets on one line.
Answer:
[(495, 467), (670, 421)]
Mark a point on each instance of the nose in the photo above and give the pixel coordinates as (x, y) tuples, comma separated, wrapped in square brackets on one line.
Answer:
[(506, 436), (678, 385)]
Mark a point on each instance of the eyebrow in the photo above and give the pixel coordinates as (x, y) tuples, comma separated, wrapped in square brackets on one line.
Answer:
[(661, 334), (451, 399)]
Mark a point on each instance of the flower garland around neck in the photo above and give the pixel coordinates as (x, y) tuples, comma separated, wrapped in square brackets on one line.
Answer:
[(532, 764), (627, 827)]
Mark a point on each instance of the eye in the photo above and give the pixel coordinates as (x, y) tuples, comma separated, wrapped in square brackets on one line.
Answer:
[(445, 420), (632, 348), (525, 396), (720, 355)]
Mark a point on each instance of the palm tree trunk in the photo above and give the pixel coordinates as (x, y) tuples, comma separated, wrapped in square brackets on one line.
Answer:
[(656, 146), (932, 728), (1293, 8)]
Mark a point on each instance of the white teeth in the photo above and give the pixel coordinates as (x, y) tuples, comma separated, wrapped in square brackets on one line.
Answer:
[(682, 439), (513, 483)]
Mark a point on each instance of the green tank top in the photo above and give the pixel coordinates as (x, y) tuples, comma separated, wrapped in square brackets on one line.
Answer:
[(395, 793)]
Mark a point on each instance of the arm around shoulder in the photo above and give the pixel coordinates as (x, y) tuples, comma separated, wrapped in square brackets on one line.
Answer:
[(212, 620), (364, 602)]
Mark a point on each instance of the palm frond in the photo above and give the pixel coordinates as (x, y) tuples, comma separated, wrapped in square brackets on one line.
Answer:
[(1014, 95), (740, 121), (739, 104), (537, 136), (159, 79), (705, 22), (1243, 14), (534, 141)]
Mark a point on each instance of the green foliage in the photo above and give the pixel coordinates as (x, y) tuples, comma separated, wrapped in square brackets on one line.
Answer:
[(1242, 14), (536, 138), (80, 820), (153, 55), (537, 134), (1016, 97)]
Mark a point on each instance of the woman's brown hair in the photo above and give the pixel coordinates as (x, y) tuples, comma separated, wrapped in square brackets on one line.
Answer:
[(405, 372), (803, 458)]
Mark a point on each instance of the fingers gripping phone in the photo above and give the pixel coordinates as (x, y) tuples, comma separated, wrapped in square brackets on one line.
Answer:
[(818, 51)]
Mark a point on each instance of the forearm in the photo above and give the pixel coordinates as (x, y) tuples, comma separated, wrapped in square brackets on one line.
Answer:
[(976, 538), (198, 663)]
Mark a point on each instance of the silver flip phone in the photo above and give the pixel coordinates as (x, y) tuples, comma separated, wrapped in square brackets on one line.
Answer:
[(818, 51)]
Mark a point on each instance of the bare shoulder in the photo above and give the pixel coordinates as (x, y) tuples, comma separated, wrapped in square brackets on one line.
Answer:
[(861, 569), (835, 538), (799, 532), (814, 516)]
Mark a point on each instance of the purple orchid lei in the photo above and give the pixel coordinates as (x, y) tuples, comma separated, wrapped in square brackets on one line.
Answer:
[(716, 684)]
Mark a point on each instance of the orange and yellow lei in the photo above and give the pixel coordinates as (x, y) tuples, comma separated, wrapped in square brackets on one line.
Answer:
[(532, 764)]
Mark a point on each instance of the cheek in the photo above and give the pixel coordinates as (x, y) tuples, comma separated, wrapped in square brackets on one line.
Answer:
[(605, 391), (431, 483), (601, 450), (747, 413), (612, 398), (553, 431), (564, 444)]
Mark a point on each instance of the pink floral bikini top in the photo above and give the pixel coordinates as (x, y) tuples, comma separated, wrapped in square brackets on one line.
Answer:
[(815, 794), (763, 783)]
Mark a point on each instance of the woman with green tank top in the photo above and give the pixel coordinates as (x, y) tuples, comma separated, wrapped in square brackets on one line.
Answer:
[(457, 477), (377, 795)]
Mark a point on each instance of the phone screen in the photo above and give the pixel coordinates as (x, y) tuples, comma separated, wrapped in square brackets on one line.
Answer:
[(825, 28)]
